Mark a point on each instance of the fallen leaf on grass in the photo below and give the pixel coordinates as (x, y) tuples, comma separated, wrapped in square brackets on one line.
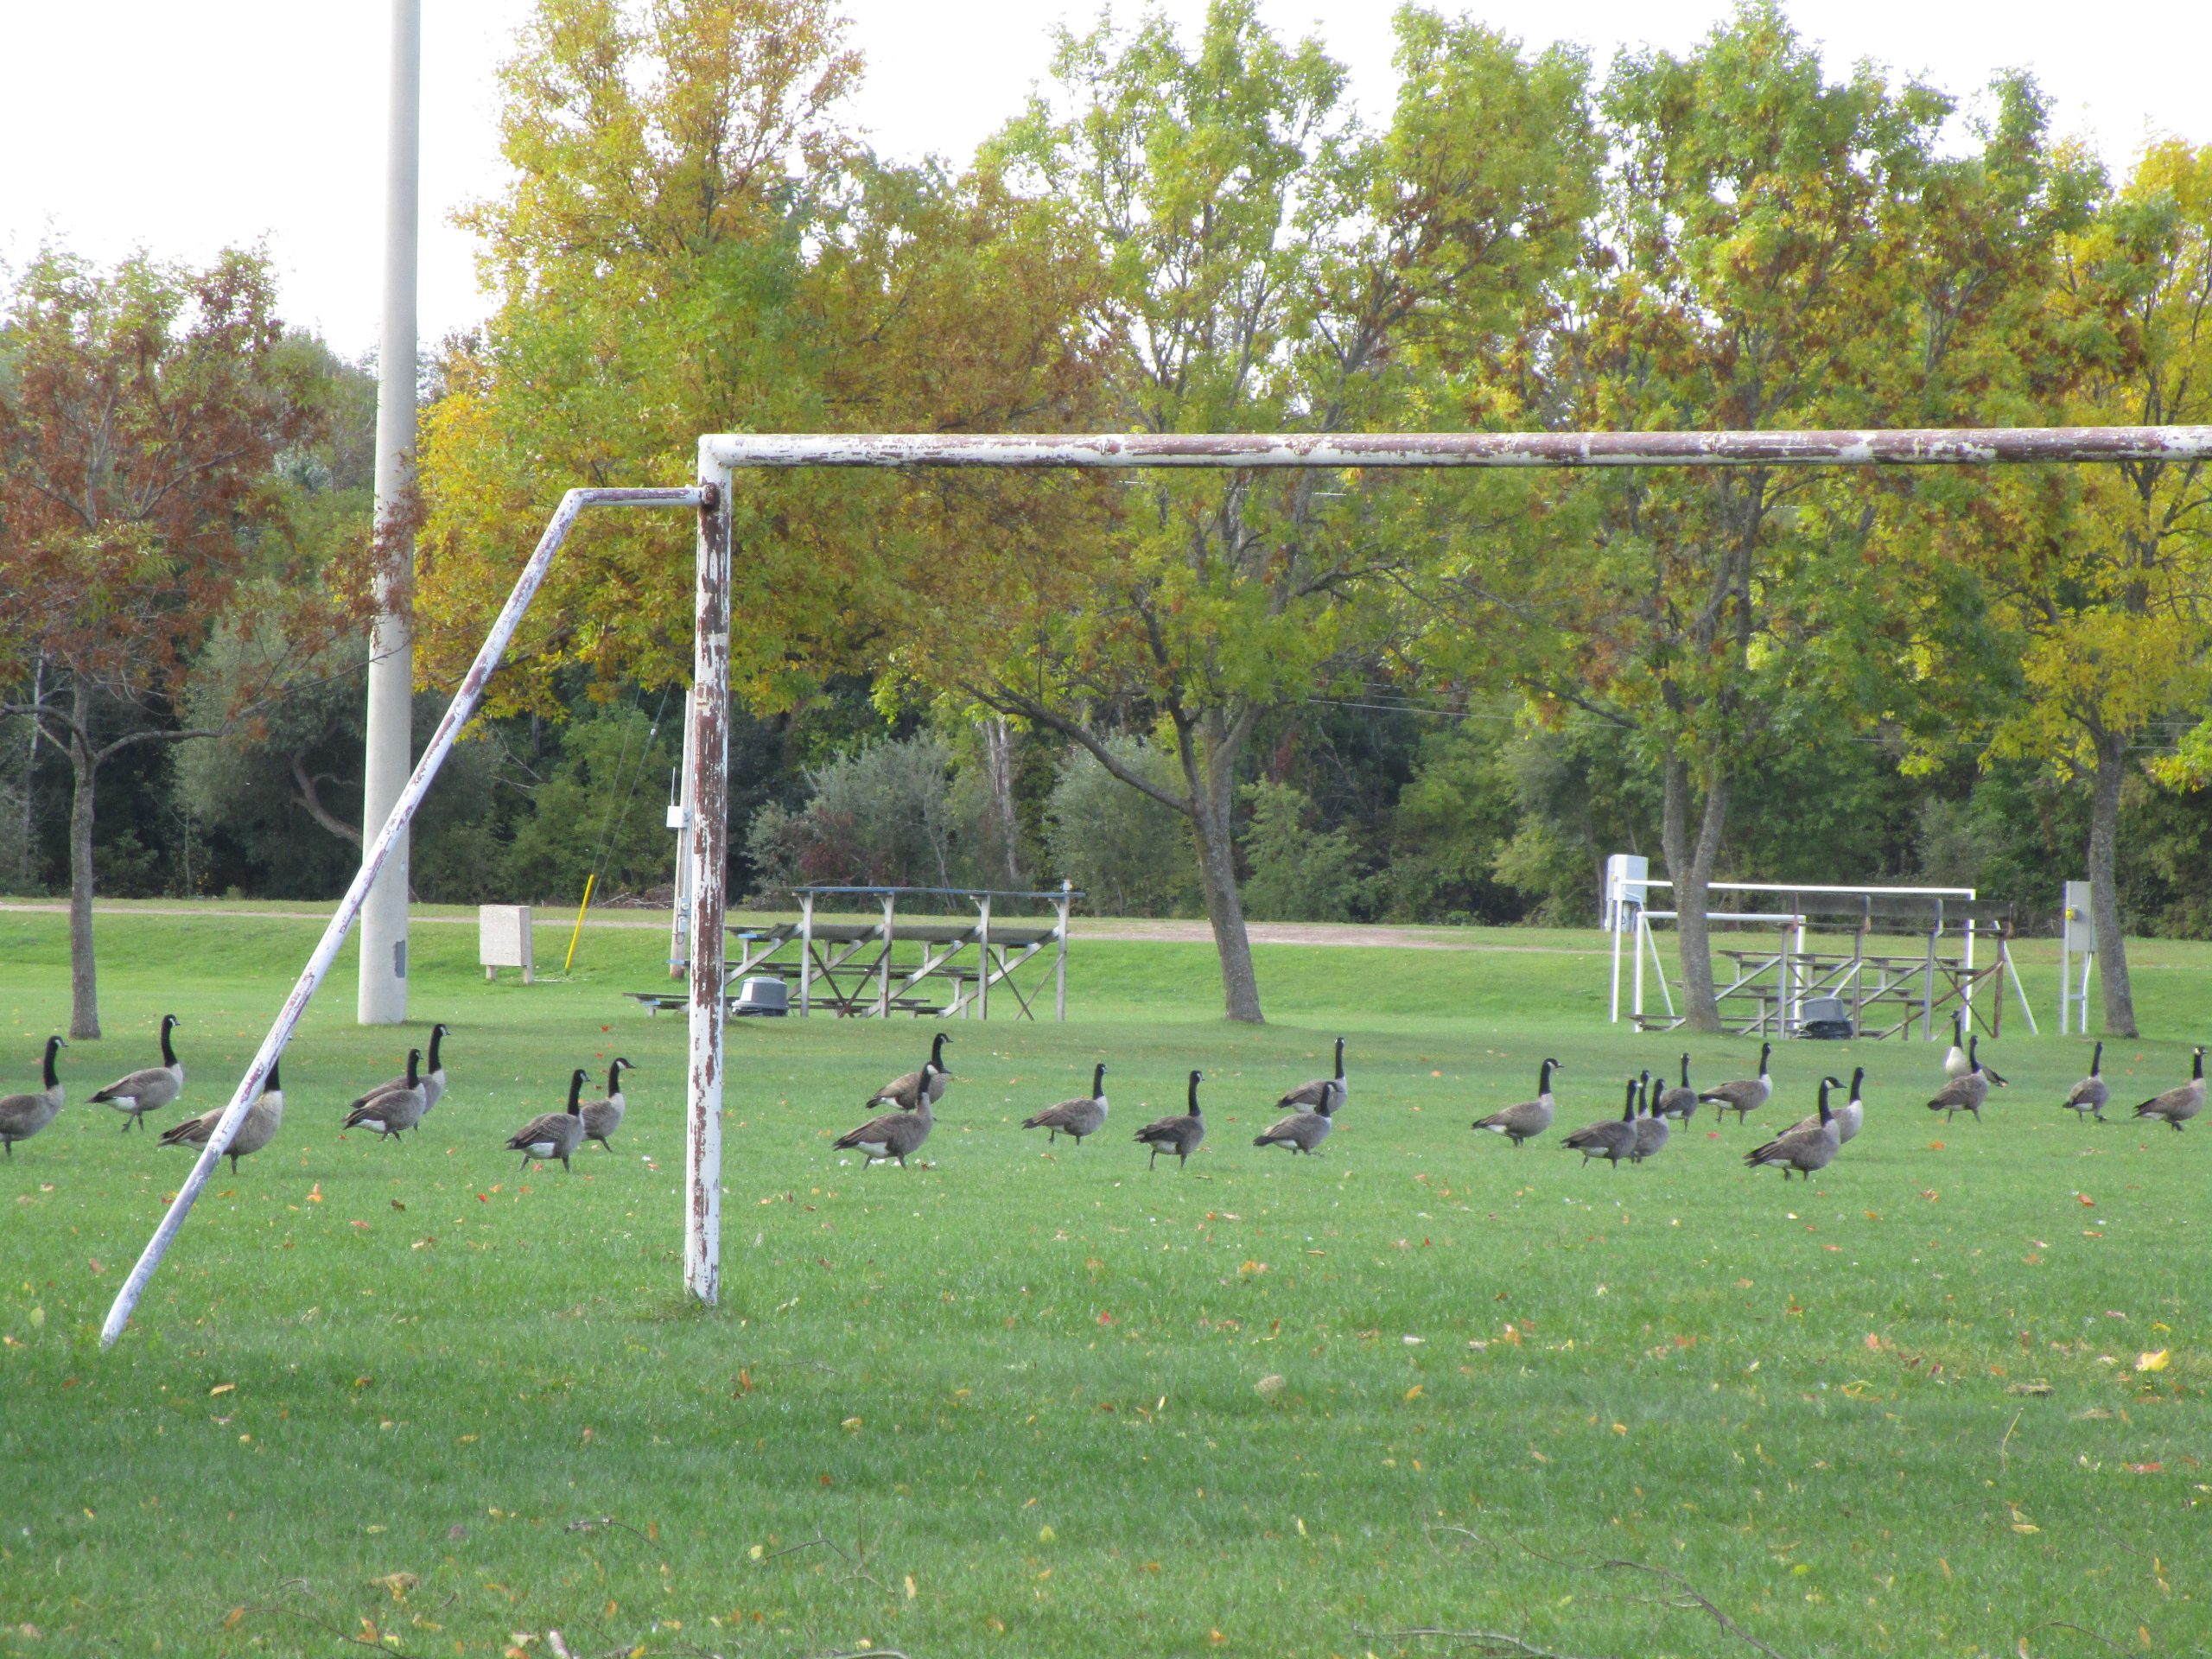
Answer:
[(2037, 1390), (399, 1583), (221, 1388), (2157, 1362), (1270, 1385), (2146, 1468)]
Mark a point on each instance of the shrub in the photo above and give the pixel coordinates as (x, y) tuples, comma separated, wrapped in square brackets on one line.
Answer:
[(1299, 873), (1132, 855)]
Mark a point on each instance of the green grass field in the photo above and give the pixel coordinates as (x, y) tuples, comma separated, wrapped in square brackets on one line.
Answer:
[(409, 1397)]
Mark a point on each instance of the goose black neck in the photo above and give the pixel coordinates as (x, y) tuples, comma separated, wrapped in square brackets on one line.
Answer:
[(1544, 1076), (1766, 1051), (437, 1036), (1857, 1078), (615, 1078), (1340, 1059), (414, 1067), (53, 1047), (1628, 1110), (1098, 1079), (168, 1054), (1826, 1114), (937, 1052), (1686, 1071), (269, 1084), (1194, 1094), (2196, 1071), (2096, 1059), (575, 1092)]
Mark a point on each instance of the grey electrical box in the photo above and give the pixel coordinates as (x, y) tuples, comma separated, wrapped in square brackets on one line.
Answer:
[(2080, 923)]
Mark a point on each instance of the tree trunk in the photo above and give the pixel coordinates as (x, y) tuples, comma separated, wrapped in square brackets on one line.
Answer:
[(2104, 886), (84, 977), (998, 773), (1690, 864), (29, 859), (1212, 780)]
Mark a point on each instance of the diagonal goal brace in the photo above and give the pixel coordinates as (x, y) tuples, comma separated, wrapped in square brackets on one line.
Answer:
[(707, 837)]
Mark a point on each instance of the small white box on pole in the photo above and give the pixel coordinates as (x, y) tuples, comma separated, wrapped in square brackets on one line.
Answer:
[(503, 939)]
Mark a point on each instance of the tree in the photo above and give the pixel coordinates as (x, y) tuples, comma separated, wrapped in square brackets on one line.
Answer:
[(1770, 254), (691, 243), (1271, 265), (138, 422), (2104, 587)]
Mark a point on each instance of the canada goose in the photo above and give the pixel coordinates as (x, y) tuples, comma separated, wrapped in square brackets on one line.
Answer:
[(1803, 1148), (150, 1090), (895, 1134), (1847, 1120), (2178, 1105), (603, 1117), (1955, 1064), (1963, 1094), (1308, 1096), (1303, 1131), (256, 1130), (1680, 1101), (1613, 1140), (1746, 1094), (393, 1111), (23, 1116), (2087, 1100), (1531, 1117), (1180, 1135), (1085, 1115), (550, 1135), (905, 1091), (432, 1079), (1651, 1129), (1975, 1062)]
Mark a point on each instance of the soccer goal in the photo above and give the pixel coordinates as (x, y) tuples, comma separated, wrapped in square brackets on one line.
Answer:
[(706, 835)]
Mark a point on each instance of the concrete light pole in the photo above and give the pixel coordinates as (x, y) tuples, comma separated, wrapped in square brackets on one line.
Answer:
[(392, 641)]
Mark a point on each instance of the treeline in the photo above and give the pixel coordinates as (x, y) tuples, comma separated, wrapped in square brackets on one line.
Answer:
[(1348, 694)]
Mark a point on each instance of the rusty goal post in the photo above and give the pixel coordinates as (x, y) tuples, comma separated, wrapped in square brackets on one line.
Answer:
[(707, 838)]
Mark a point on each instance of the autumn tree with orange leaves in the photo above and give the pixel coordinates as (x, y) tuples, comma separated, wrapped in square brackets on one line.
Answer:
[(140, 412)]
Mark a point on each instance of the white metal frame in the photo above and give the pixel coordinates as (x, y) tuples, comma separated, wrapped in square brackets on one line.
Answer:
[(706, 759)]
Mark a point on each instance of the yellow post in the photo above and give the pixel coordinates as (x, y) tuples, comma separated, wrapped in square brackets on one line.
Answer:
[(577, 932)]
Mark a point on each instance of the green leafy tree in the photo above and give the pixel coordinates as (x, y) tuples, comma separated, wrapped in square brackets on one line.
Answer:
[(1272, 265)]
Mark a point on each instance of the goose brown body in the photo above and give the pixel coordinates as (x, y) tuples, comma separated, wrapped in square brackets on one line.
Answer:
[(256, 1130), (554, 1135), (898, 1135), (1310, 1096), (1181, 1134), (603, 1116), (430, 1077), (23, 1116), (2176, 1106), (1744, 1095), (1302, 1131), (906, 1091), (389, 1111), (140, 1092), (2088, 1098), (1083, 1115), (1803, 1149), (1613, 1140), (1531, 1117)]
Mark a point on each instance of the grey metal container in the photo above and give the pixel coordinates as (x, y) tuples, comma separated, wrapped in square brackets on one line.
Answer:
[(764, 996)]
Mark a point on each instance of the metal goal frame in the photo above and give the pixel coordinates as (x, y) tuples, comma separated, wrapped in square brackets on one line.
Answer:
[(707, 726)]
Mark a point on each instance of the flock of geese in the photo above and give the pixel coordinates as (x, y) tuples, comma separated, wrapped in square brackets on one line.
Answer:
[(391, 1108), (1649, 1107)]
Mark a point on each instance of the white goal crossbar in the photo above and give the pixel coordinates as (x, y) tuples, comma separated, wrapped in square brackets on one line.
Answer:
[(705, 780)]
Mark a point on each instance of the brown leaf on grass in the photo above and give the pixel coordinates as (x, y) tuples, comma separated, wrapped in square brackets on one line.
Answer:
[(399, 1583)]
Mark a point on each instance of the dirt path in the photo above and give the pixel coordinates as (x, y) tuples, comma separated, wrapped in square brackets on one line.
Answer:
[(1105, 928)]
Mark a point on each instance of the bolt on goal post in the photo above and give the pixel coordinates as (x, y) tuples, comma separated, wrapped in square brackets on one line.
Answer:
[(706, 726)]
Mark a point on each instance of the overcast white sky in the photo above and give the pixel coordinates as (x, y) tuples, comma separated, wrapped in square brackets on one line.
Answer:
[(182, 125)]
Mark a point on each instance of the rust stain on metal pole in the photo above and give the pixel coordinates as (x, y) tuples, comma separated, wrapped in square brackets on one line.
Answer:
[(706, 847), (1902, 446)]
